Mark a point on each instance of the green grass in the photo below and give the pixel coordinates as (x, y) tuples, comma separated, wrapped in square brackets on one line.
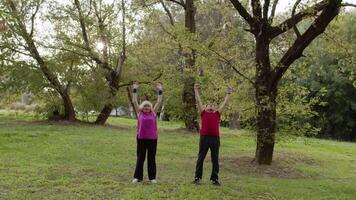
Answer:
[(40, 160)]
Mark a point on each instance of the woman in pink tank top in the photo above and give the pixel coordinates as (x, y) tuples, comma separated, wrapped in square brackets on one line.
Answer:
[(146, 134)]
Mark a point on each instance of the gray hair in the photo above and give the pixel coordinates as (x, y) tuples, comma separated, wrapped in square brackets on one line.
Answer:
[(145, 103)]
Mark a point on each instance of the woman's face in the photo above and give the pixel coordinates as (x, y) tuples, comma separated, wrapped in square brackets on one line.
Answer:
[(210, 107), (146, 108)]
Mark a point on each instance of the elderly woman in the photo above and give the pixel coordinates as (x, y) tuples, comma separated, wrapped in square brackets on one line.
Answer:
[(146, 134)]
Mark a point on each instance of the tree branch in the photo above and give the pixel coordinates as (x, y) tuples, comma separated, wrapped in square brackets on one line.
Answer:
[(181, 3), (122, 56), (289, 23), (32, 48), (273, 11), (33, 18), (86, 38), (243, 12), (265, 9), (315, 29), (168, 12), (256, 9), (82, 24), (142, 82), (295, 28), (67, 50), (228, 62), (348, 4), (16, 50)]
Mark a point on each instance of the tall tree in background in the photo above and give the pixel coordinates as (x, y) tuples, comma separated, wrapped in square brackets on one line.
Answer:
[(113, 71), (268, 74), (22, 16), (190, 113)]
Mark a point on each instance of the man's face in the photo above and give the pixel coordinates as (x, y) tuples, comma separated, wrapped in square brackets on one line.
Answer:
[(210, 107)]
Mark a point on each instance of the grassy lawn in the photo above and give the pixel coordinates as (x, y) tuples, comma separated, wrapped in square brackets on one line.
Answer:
[(40, 160)]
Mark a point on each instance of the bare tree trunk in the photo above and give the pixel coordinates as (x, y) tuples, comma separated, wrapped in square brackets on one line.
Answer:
[(108, 107), (189, 107), (104, 114), (190, 113), (266, 125), (265, 99), (69, 112), (130, 99)]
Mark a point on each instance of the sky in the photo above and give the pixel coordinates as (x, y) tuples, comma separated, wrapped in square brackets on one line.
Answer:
[(283, 6)]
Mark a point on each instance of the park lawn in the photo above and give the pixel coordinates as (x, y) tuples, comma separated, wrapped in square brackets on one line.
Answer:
[(42, 160)]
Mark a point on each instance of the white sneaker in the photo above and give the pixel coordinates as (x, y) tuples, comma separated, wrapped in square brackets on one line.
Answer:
[(153, 181), (135, 180)]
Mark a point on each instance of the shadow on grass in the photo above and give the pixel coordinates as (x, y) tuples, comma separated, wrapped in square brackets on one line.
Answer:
[(283, 166)]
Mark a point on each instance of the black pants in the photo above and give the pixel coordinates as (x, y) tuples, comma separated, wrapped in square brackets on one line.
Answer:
[(143, 146), (205, 143)]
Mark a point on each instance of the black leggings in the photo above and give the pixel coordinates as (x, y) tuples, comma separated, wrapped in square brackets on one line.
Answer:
[(206, 143), (150, 146)]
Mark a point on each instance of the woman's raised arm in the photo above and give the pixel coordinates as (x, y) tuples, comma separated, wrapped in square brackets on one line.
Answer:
[(158, 104), (135, 87)]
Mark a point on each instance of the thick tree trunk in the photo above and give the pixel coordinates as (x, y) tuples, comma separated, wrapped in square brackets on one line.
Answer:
[(130, 99), (266, 125), (265, 99), (108, 107), (69, 112), (190, 114), (104, 114), (190, 111)]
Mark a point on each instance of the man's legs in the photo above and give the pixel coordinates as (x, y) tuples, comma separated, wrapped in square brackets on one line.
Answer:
[(214, 149), (203, 150)]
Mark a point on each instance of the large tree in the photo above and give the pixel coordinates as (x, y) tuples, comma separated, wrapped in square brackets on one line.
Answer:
[(187, 53), (113, 70), (21, 16), (268, 74)]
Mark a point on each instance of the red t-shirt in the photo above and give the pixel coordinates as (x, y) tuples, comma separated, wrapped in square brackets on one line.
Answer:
[(210, 123)]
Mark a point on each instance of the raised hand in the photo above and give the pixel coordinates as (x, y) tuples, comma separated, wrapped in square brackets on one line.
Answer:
[(159, 98), (159, 87), (135, 85), (3, 26), (229, 90), (197, 86)]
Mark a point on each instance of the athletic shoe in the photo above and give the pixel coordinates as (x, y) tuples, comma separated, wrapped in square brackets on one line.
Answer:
[(215, 182), (153, 181), (197, 180), (135, 180)]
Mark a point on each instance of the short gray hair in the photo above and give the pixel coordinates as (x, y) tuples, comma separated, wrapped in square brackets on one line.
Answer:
[(145, 103)]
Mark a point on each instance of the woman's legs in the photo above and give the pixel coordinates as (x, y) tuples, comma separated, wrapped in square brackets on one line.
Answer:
[(151, 158), (141, 154)]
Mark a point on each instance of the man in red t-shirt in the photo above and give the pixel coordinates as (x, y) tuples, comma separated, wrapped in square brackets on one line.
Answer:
[(209, 135)]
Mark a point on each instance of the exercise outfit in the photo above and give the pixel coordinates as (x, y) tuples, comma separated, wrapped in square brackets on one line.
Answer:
[(209, 139), (146, 142)]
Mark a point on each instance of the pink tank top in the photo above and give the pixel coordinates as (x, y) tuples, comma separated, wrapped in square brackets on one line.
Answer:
[(147, 126)]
